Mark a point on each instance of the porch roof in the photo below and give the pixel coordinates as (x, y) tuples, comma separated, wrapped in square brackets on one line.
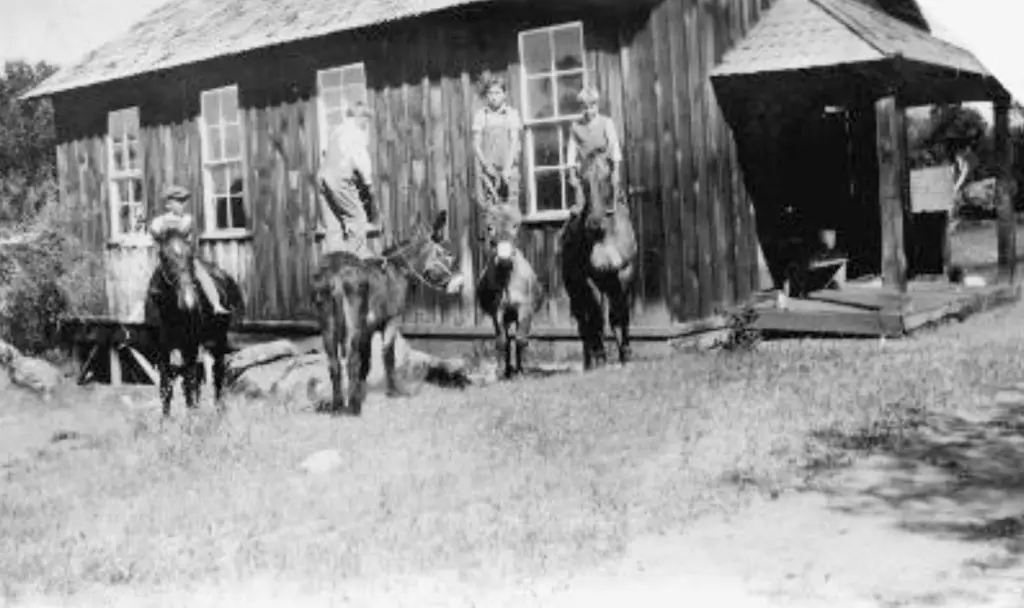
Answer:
[(808, 35)]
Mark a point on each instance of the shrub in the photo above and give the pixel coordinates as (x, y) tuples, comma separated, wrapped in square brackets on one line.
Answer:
[(45, 274)]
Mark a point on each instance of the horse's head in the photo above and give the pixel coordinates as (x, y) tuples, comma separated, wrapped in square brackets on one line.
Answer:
[(502, 222), (427, 255), (596, 176), (177, 265)]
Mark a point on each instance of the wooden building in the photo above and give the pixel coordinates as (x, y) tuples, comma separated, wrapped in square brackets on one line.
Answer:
[(233, 100)]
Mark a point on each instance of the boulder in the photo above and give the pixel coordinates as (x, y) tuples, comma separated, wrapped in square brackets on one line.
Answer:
[(35, 374), (321, 462), (261, 354)]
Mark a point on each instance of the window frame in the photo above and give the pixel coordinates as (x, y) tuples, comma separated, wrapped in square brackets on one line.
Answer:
[(115, 177), (323, 131), (563, 121), (210, 228)]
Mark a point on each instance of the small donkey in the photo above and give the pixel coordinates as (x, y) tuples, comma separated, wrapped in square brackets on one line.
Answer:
[(508, 289)]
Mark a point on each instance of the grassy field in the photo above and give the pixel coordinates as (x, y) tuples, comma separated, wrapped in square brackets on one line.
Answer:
[(496, 484)]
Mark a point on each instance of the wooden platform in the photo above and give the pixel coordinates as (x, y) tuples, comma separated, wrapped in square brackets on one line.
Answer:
[(868, 311)]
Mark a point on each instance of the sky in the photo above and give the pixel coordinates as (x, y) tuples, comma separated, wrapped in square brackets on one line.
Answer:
[(63, 31)]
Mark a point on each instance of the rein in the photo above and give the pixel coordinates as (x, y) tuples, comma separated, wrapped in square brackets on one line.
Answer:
[(400, 252)]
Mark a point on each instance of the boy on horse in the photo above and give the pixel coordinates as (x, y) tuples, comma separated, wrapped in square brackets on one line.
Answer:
[(346, 175), (175, 218), (593, 132), (496, 132)]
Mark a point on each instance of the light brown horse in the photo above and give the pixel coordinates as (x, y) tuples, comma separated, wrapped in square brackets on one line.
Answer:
[(599, 251), (508, 289)]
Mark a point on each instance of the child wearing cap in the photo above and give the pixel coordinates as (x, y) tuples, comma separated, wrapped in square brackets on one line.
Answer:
[(591, 133), (175, 218)]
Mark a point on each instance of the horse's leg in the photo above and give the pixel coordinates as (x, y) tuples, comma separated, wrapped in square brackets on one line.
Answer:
[(388, 338), (511, 348), (523, 336), (359, 369), (595, 325), (618, 318), (220, 369), (190, 379), (500, 339), (166, 381)]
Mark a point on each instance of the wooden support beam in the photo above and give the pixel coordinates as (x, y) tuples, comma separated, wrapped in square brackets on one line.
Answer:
[(146, 366), (115, 365), (1006, 233), (893, 188)]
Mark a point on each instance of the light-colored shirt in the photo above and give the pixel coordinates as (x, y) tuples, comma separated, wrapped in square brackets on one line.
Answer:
[(584, 137), (348, 151), (497, 129)]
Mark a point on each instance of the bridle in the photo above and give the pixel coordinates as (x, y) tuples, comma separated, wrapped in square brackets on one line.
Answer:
[(401, 252)]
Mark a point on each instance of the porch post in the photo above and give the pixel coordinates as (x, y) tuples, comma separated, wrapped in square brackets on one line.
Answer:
[(893, 187), (1006, 233)]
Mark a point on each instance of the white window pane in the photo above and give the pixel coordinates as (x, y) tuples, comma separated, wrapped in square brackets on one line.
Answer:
[(548, 184), (118, 159), (539, 98), (137, 196), (568, 43), (354, 75), (354, 94), (546, 146), (332, 99), (115, 125), (124, 194), (211, 108), (232, 141), (330, 79), (239, 214), (214, 145), (221, 210), (569, 87), (131, 122), (133, 154), (220, 179), (229, 105), (237, 180), (536, 52)]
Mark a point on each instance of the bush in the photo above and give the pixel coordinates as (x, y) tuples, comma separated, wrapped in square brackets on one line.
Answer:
[(45, 274)]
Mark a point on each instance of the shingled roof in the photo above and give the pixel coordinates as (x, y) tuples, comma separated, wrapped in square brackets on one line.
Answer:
[(182, 32), (804, 34)]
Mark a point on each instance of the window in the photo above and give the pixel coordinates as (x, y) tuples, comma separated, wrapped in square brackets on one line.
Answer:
[(127, 201), (223, 163), (337, 90), (553, 68)]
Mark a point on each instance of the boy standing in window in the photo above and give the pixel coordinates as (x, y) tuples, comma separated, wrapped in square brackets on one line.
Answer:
[(593, 132), (497, 129), (345, 183), (175, 218)]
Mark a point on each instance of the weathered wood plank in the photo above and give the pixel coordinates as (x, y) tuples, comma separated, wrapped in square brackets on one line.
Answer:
[(893, 188)]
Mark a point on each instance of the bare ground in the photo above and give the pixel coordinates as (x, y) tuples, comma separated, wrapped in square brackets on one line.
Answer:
[(813, 473)]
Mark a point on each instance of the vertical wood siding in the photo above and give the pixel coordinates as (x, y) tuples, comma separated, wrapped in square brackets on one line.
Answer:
[(694, 218)]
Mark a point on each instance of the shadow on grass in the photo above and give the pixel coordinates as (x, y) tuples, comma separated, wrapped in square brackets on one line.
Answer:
[(952, 476)]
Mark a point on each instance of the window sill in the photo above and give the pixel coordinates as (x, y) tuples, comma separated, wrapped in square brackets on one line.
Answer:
[(547, 217), (226, 235)]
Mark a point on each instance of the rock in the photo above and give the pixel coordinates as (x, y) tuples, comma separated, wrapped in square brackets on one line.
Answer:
[(35, 374), (8, 353), (321, 463), (261, 354)]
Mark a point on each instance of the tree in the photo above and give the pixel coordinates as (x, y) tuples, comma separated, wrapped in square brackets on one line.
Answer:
[(27, 141)]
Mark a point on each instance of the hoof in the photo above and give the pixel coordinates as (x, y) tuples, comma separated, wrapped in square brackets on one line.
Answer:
[(396, 392)]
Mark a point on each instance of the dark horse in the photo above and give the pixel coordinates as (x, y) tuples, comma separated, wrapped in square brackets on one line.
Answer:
[(185, 320), (357, 298), (599, 250)]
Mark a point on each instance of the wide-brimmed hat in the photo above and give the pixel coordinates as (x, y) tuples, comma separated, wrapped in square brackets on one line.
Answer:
[(176, 194)]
